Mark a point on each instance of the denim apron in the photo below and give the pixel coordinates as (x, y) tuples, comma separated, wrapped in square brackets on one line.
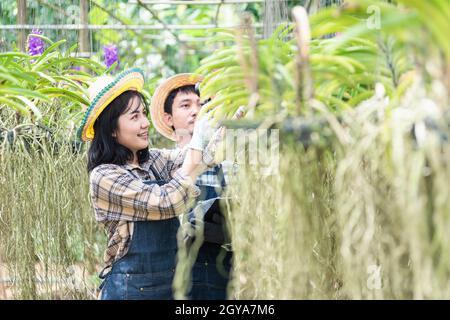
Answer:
[(210, 273), (147, 269)]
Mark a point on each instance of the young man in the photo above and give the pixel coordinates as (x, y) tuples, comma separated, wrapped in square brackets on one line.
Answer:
[(174, 109)]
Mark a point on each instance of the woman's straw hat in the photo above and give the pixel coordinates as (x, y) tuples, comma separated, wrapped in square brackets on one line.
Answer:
[(102, 92), (160, 96)]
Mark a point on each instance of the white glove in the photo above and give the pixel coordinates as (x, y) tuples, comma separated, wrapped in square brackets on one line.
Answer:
[(214, 152), (203, 131)]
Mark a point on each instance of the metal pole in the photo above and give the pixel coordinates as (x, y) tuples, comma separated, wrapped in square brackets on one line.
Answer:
[(121, 27), (196, 2)]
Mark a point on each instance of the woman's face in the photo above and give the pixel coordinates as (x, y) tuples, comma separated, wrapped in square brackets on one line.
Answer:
[(133, 126)]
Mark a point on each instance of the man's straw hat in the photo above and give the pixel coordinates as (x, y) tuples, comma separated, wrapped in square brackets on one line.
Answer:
[(160, 96)]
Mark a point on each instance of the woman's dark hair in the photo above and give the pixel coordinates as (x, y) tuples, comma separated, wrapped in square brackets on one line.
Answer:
[(172, 94), (104, 147)]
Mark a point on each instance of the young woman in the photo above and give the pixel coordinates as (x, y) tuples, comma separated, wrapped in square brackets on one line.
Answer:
[(136, 193)]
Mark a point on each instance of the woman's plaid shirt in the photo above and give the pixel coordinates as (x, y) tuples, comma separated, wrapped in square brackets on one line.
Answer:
[(120, 197)]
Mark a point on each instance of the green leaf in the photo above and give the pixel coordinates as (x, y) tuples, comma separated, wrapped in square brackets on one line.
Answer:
[(95, 66), (14, 105), (14, 55), (40, 37), (59, 92), (5, 90), (111, 68), (46, 77), (49, 49), (9, 77), (30, 105), (70, 82), (37, 65)]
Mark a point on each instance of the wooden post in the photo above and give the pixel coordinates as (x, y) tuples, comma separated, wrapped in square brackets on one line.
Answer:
[(275, 12), (249, 64), (312, 6), (21, 36), (304, 77), (22, 19), (83, 37)]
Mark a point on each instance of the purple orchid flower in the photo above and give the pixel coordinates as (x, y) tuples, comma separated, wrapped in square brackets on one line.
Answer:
[(35, 44), (110, 55)]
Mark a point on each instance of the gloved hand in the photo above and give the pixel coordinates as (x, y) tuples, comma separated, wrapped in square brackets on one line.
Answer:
[(215, 150), (203, 131)]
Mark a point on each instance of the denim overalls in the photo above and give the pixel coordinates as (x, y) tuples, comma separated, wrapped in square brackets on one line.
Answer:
[(210, 272), (147, 269)]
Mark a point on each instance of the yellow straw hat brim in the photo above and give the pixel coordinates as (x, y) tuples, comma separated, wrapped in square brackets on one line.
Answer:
[(132, 79), (160, 96)]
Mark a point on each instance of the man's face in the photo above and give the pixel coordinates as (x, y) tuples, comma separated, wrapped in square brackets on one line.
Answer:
[(184, 112)]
